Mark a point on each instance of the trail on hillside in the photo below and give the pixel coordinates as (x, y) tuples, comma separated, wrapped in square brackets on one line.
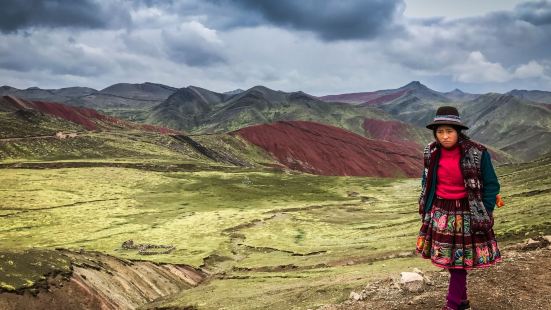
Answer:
[(27, 138), (521, 282)]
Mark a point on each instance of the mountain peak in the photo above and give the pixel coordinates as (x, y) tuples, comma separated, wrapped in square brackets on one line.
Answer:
[(260, 88), (234, 92), (414, 85)]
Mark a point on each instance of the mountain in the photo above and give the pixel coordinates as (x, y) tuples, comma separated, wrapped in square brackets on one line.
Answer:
[(144, 91), (459, 96), (538, 96), (199, 110), (57, 95), (327, 150), (46, 131), (123, 100), (234, 92), (82, 137), (353, 98), (414, 88), (413, 103), (89, 119), (421, 91), (396, 131), (186, 109), (517, 126)]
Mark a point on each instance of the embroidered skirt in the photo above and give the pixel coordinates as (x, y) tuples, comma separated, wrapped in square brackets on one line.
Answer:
[(446, 239)]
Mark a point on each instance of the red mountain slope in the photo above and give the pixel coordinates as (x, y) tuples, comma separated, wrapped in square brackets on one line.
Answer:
[(327, 150), (391, 130), (386, 98), (88, 118), (367, 98)]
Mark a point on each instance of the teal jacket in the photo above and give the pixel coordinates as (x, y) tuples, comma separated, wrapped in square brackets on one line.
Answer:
[(490, 184)]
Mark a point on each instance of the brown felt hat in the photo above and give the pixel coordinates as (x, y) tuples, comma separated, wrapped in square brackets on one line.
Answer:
[(447, 115)]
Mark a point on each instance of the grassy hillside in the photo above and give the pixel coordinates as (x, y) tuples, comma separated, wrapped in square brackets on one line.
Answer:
[(14, 124), (513, 125), (272, 240)]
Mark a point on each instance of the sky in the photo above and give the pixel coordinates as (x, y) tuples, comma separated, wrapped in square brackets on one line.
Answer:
[(320, 47)]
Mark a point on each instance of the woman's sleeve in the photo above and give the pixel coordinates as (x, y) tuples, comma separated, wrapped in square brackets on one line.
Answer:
[(490, 183)]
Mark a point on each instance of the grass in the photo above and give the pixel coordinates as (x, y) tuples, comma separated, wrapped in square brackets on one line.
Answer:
[(276, 240)]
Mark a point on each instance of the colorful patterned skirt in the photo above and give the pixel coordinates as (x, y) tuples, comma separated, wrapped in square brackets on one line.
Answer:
[(446, 239)]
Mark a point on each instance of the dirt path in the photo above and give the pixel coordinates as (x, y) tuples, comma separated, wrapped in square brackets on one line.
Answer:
[(27, 138), (521, 282)]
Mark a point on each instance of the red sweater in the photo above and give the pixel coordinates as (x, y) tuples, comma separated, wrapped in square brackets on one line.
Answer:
[(450, 184)]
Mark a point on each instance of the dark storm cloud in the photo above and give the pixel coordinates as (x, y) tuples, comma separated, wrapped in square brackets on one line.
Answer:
[(22, 14), (330, 19), (536, 13)]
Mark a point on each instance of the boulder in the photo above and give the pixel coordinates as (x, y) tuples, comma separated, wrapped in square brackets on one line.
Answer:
[(355, 296), (536, 243), (412, 282)]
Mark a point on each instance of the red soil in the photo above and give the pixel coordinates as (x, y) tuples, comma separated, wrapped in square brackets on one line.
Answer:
[(394, 131), (88, 118), (366, 98), (351, 98), (385, 98), (326, 150)]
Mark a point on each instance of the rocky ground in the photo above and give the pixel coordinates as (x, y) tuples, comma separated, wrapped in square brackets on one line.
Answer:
[(522, 281)]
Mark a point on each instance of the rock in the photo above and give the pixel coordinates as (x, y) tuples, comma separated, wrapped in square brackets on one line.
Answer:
[(355, 296), (417, 270), (412, 282), (352, 194), (536, 243), (128, 244), (427, 280), (548, 238)]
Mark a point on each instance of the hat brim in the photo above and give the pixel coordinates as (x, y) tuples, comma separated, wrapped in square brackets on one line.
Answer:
[(432, 125)]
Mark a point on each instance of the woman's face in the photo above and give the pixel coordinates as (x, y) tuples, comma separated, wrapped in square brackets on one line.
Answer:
[(447, 136)]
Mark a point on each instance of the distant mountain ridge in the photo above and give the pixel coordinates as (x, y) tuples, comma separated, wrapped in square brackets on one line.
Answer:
[(195, 109), (122, 100), (88, 118), (397, 115), (514, 125), (510, 122), (538, 96)]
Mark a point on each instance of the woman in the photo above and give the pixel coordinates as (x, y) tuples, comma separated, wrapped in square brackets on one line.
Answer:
[(458, 196)]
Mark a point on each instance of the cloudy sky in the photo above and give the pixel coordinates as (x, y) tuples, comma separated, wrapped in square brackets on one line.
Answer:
[(317, 46)]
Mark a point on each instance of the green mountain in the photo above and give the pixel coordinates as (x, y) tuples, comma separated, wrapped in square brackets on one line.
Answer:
[(538, 96), (198, 110), (124, 100), (516, 126), (506, 123), (36, 131)]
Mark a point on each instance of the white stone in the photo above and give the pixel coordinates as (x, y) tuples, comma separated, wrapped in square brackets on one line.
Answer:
[(412, 281), (355, 296)]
